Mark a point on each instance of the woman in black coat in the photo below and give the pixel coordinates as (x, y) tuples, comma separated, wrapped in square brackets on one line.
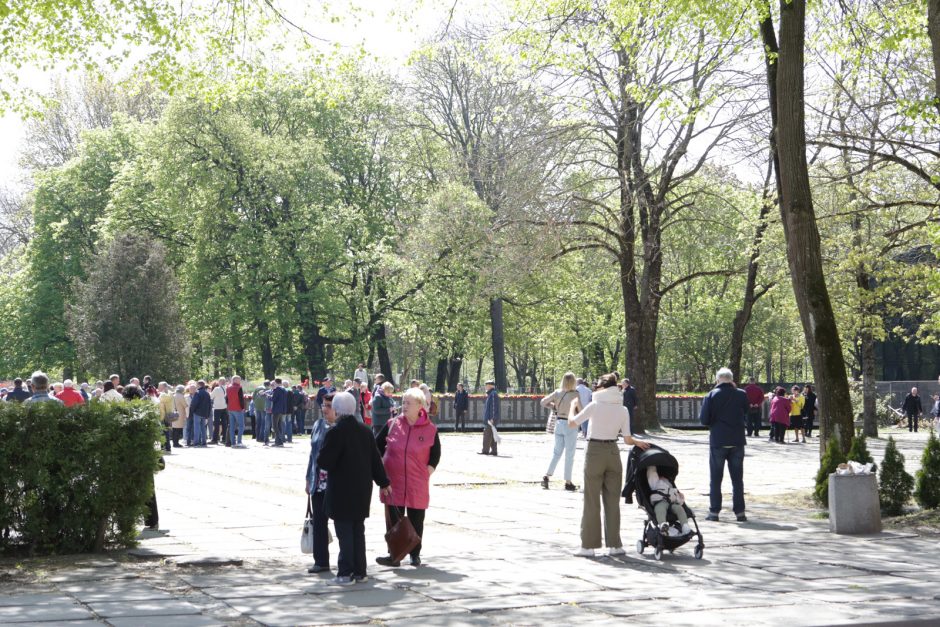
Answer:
[(352, 461)]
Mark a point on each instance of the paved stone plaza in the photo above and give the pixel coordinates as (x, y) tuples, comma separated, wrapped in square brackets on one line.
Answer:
[(497, 551)]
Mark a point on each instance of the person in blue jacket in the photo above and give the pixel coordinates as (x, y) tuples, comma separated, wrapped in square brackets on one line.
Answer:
[(490, 419), (200, 408), (280, 407), (316, 488), (724, 412)]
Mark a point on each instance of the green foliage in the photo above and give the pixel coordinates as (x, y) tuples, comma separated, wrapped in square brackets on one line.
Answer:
[(125, 317), (858, 452), (895, 483), (927, 488), (827, 465), (75, 479)]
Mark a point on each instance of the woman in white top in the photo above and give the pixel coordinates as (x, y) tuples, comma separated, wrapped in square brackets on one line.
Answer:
[(561, 401), (110, 394), (219, 412), (603, 470)]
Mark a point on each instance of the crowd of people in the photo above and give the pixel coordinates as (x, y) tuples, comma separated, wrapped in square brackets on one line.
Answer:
[(363, 437)]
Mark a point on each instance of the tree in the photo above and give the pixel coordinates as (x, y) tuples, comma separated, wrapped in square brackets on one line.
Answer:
[(646, 84), (927, 488), (125, 317), (894, 483), (785, 77)]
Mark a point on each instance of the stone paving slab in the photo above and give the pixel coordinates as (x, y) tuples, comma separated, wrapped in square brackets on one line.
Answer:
[(174, 607), (194, 620), (58, 610)]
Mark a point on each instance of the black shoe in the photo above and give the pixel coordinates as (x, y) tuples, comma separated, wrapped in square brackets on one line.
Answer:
[(416, 560), (741, 518), (316, 568), (482, 453), (545, 482), (385, 560), (570, 487), (712, 517)]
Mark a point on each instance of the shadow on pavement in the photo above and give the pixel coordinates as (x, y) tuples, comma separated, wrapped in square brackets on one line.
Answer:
[(427, 573)]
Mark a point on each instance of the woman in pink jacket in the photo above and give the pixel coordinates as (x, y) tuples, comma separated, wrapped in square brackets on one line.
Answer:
[(411, 450), (779, 415)]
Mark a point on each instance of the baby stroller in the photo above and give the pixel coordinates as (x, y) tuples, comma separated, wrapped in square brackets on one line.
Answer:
[(668, 468)]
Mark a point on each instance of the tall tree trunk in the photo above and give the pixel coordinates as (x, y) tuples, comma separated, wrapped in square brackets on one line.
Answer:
[(933, 32), (479, 378), (802, 236), (499, 344), (440, 378), (381, 348), (453, 375)]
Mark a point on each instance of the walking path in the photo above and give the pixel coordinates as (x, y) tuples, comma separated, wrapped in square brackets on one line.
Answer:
[(497, 550)]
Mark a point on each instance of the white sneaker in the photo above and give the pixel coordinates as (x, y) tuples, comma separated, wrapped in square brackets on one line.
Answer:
[(582, 552), (616, 550), (673, 532), (686, 529)]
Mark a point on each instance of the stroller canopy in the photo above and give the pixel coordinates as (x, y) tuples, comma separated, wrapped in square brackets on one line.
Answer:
[(667, 466)]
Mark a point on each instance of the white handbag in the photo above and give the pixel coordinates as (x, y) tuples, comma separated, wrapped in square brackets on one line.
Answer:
[(306, 536)]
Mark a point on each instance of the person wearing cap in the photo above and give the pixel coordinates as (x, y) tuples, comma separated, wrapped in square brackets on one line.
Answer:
[(490, 419), (351, 459), (69, 395)]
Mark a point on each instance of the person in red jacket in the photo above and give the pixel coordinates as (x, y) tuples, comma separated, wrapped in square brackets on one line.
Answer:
[(69, 395), (755, 407), (411, 451), (235, 401)]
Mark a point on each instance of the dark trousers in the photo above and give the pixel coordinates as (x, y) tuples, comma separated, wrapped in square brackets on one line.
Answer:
[(734, 457), (489, 442), (351, 536), (416, 516), (321, 536), (912, 420), (777, 431), (152, 517), (299, 421), (219, 425), (460, 422), (279, 428), (808, 425), (177, 434), (753, 422), (166, 438), (253, 428)]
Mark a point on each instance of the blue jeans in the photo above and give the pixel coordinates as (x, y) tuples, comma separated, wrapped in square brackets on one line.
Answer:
[(236, 419), (288, 421), (734, 456), (299, 421), (584, 427), (566, 441), (188, 433), (264, 426), (199, 422)]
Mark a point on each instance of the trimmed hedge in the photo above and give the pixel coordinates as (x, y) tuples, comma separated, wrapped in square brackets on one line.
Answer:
[(77, 479)]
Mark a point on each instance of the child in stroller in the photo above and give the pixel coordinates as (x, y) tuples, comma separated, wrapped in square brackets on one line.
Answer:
[(663, 503), (665, 497)]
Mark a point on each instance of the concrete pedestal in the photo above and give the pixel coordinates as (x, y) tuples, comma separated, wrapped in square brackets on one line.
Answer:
[(853, 504)]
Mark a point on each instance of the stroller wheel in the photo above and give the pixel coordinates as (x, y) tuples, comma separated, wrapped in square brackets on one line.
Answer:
[(657, 554), (699, 550), (640, 546)]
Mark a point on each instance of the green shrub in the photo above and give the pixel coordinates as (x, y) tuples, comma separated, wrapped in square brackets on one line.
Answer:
[(927, 490), (830, 461), (75, 479), (895, 484), (859, 452)]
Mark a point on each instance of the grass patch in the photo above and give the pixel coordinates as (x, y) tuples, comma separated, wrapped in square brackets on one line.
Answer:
[(924, 522)]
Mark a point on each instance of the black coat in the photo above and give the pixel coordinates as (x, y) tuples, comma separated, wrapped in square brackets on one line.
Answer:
[(912, 406), (352, 461), (629, 399)]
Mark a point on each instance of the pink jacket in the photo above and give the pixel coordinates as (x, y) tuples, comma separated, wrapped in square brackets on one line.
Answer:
[(780, 410), (407, 454)]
